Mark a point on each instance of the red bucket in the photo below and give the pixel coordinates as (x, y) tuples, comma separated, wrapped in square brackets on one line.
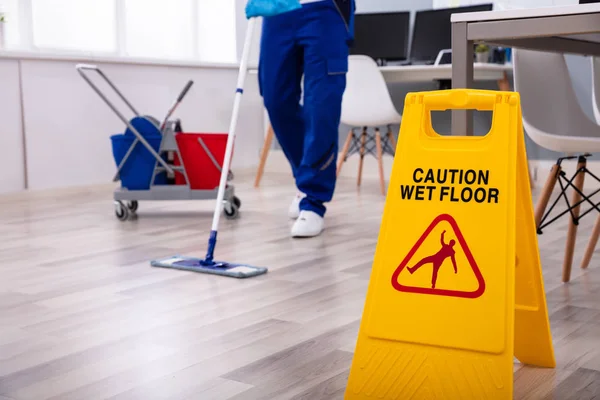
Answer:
[(202, 173)]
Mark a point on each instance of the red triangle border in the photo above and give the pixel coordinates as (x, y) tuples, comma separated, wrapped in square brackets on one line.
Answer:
[(441, 292)]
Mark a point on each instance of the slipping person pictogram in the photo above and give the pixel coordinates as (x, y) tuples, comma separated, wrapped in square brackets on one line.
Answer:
[(438, 259), (455, 248)]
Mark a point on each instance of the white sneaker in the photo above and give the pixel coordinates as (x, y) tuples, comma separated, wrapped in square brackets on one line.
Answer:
[(294, 210), (308, 224)]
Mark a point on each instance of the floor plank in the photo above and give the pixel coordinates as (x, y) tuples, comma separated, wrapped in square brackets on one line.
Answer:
[(331, 389), (582, 384), (84, 316)]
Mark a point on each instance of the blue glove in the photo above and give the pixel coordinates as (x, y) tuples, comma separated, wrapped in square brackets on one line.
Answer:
[(267, 8)]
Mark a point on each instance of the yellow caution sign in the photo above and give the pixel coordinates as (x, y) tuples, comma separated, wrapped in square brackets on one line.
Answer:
[(456, 288)]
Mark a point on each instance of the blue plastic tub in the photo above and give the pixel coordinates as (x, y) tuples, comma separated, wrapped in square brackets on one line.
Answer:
[(136, 174)]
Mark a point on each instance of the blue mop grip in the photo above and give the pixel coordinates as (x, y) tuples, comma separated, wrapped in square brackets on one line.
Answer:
[(210, 253), (268, 8)]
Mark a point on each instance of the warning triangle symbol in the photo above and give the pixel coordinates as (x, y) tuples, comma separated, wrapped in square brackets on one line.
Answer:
[(435, 265)]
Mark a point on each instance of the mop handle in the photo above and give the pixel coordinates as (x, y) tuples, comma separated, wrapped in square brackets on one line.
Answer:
[(234, 118)]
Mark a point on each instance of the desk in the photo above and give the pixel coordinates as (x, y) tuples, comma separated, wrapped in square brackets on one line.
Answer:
[(571, 29), (427, 73), (567, 29), (407, 74)]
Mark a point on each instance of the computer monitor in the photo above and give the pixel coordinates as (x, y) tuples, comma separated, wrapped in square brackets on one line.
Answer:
[(432, 31), (588, 1), (382, 36)]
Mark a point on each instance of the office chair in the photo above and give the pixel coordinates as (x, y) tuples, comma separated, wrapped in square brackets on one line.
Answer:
[(367, 104), (553, 119)]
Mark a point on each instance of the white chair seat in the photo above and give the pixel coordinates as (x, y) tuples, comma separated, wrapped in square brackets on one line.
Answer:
[(367, 104), (596, 87), (563, 144), (367, 101), (374, 120), (552, 116)]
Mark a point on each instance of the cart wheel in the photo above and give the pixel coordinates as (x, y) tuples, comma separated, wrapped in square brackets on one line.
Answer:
[(133, 205), (121, 211), (237, 202), (231, 210)]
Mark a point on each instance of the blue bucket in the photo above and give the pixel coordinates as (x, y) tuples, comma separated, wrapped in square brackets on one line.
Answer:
[(136, 173)]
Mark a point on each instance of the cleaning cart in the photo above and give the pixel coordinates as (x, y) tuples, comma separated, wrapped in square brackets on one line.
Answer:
[(156, 161)]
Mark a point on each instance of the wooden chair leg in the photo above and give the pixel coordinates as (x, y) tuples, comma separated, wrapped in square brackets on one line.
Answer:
[(504, 83), (572, 232), (363, 139), (380, 160), (263, 155), (392, 139), (589, 251), (345, 151), (542, 203)]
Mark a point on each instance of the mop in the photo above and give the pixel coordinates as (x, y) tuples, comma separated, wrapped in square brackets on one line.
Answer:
[(254, 9)]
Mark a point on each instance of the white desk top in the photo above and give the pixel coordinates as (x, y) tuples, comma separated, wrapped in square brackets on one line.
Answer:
[(482, 16), (427, 73), (419, 68)]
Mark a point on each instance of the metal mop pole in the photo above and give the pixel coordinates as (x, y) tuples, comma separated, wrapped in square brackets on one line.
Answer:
[(212, 241)]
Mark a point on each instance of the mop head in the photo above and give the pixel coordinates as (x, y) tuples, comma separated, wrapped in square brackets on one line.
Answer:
[(215, 267)]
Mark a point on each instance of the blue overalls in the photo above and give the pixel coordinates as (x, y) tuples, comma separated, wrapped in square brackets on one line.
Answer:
[(312, 42)]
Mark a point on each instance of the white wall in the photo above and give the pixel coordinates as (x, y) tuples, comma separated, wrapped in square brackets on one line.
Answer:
[(67, 127), (12, 175)]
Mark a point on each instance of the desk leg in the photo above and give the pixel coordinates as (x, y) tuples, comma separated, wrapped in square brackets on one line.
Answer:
[(263, 155), (504, 86), (462, 76)]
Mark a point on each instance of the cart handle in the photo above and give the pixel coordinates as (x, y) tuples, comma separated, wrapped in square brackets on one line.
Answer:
[(184, 91), (89, 67), (210, 154), (83, 67), (176, 103)]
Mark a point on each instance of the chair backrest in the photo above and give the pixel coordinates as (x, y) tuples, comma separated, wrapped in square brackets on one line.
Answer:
[(548, 100), (596, 87), (367, 101)]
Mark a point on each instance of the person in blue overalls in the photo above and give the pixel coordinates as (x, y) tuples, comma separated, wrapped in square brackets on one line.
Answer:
[(311, 42)]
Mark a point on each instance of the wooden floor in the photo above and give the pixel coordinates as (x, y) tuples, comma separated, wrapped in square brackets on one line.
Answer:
[(83, 315)]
